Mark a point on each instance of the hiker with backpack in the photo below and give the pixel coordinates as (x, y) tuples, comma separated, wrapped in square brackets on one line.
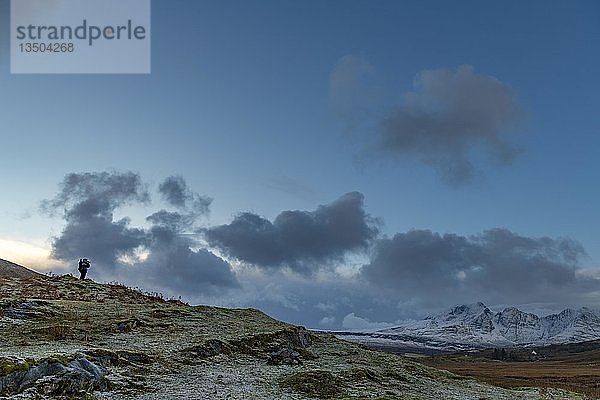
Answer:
[(84, 265)]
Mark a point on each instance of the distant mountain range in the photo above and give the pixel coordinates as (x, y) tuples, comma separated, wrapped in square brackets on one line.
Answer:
[(473, 326)]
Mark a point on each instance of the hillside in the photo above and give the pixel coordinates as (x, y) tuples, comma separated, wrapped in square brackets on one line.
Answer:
[(65, 338), (10, 269)]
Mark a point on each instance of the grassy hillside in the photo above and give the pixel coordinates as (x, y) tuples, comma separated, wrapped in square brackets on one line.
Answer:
[(65, 338)]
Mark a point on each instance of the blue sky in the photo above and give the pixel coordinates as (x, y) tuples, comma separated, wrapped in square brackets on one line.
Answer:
[(238, 103)]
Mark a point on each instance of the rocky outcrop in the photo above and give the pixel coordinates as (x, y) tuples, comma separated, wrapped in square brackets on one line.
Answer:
[(285, 346), (26, 309), (286, 356), (54, 376)]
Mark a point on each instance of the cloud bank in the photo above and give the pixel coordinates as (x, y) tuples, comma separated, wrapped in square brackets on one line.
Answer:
[(493, 266), (451, 117), (328, 268)]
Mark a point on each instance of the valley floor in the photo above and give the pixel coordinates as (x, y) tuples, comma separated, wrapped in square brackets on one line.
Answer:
[(581, 376)]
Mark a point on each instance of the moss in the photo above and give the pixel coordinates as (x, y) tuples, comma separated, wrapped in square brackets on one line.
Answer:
[(58, 332), (363, 374), (384, 397), (9, 366), (316, 383), (59, 358), (397, 376)]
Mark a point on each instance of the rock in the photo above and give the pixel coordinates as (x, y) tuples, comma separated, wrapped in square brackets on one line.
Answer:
[(55, 376), (209, 348), (135, 357), (104, 357), (297, 338), (12, 372), (129, 325), (285, 346), (109, 358), (284, 356), (26, 310)]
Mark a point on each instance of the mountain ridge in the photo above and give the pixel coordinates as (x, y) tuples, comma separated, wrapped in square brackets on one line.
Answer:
[(472, 326)]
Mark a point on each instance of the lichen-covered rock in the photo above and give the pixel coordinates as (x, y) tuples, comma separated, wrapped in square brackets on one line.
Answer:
[(54, 376), (108, 358), (26, 309), (286, 356), (12, 372), (207, 349), (285, 346), (265, 343), (129, 325)]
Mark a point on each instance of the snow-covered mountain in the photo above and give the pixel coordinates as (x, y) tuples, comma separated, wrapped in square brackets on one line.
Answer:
[(472, 326)]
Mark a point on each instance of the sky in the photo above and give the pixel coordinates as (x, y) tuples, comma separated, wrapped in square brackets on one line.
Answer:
[(340, 164)]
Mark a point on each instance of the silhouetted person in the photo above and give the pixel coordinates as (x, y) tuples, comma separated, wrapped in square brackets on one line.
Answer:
[(84, 265)]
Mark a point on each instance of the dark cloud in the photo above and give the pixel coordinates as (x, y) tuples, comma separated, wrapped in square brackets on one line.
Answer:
[(96, 193), (100, 239), (174, 189), (172, 220), (87, 202), (493, 266), (172, 262), (321, 303), (418, 273), (449, 117), (174, 265), (300, 240)]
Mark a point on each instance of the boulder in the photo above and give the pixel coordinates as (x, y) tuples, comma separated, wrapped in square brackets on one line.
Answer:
[(54, 376), (286, 356)]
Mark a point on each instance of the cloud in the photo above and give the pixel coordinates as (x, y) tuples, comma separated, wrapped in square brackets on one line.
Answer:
[(353, 323), (303, 241), (172, 220), (174, 189), (96, 193), (173, 262), (327, 322), (175, 267), (87, 202), (450, 117), (434, 269), (353, 90), (299, 298)]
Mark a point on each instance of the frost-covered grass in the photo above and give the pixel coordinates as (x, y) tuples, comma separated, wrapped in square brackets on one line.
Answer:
[(153, 349)]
